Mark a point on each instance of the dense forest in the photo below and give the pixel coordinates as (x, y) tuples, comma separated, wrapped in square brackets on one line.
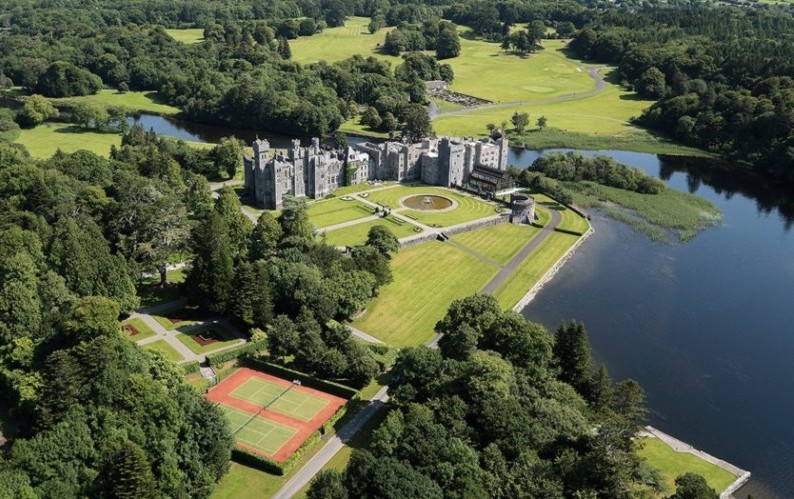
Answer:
[(501, 409), (722, 77), (90, 413)]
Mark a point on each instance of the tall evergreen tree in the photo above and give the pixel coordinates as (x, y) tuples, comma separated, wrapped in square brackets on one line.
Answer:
[(131, 474), (264, 237), (210, 281), (294, 220), (239, 226), (572, 351)]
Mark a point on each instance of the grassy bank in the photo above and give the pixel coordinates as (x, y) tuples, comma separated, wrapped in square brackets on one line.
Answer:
[(672, 464), (533, 268), (636, 139), (656, 215), (147, 102), (43, 140), (427, 278)]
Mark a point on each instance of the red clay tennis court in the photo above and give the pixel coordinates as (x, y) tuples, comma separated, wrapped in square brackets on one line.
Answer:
[(271, 416)]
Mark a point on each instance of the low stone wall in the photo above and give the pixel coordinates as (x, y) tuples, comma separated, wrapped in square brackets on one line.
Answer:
[(417, 239), (477, 224), (742, 476), (534, 290)]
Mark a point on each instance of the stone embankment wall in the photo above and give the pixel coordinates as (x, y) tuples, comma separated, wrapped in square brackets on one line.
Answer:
[(534, 290), (742, 476)]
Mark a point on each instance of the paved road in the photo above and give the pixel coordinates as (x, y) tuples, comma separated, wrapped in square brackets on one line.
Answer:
[(334, 445), (516, 261), (364, 336), (594, 73)]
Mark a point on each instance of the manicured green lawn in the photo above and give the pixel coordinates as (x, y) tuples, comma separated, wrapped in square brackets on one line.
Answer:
[(672, 464), (144, 331), (469, 207), (225, 339), (570, 219), (165, 349), (43, 140), (336, 210), (427, 278), (533, 268), (244, 482), (356, 235), (188, 316), (336, 44), (363, 186), (603, 114), (500, 242), (189, 36), (149, 101), (485, 71)]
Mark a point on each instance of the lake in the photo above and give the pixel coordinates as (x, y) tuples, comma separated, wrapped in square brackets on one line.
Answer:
[(707, 327)]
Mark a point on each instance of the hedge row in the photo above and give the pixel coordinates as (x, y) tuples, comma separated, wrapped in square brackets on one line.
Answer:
[(284, 372), (191, 367), (215, 359)]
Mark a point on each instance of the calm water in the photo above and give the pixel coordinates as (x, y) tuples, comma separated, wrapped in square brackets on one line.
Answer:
[(706, 327)]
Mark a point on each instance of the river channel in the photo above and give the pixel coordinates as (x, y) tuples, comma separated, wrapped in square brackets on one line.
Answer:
[(706, 327)]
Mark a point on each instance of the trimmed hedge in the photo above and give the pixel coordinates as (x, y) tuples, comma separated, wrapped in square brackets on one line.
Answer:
[(284, 372), (256, 461), (217, 358), (191, 367)]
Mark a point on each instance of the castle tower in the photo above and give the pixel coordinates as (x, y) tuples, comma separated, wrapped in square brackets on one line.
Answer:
[(522, 209), (504, 151)]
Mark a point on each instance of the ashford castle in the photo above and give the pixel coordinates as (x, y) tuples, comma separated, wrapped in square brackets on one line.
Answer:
[(315, 172)]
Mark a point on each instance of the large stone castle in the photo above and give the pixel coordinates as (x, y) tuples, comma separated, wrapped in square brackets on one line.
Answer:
[(312, 171)]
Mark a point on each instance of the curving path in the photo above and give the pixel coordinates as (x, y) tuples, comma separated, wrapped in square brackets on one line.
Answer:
[(335, 443), (513, 264), (595, 74)]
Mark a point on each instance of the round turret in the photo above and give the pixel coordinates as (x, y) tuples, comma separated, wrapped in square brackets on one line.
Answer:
[(522, 209)]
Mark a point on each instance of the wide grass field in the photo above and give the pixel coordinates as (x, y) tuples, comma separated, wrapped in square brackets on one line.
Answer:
[(149, 101), (485, 71), (189, 35), (469, 208), (604, 114), (672, 464), (43, 140), (533, 268), (500, 242), (356, 235), (427, 278), (335, 211), (165, 349), (336, 44)]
